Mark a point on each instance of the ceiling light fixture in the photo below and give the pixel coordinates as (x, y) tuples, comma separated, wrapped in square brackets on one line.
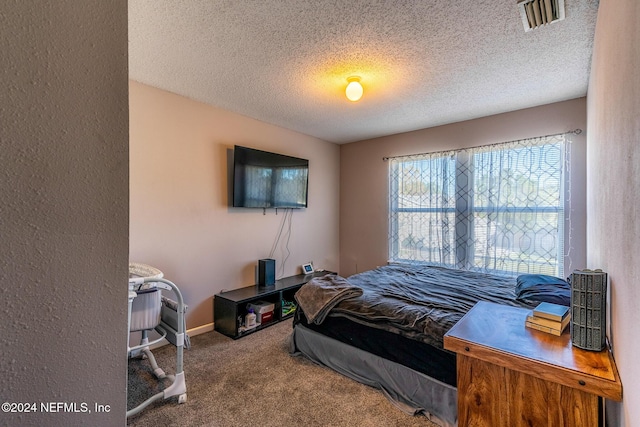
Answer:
[(354, 89)]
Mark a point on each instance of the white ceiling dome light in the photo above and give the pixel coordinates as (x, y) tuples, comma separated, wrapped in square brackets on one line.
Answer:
[(354, 89)]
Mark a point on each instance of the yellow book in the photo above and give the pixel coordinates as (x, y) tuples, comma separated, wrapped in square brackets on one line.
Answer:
[(554, 324), (546, 329)]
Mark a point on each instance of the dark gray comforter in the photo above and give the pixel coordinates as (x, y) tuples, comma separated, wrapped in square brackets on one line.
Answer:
[(421, 302)]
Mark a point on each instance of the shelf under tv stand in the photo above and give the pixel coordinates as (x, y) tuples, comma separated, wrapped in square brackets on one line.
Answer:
[(229, 306)]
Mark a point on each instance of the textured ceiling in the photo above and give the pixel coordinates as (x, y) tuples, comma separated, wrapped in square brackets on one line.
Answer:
[(422, 63)]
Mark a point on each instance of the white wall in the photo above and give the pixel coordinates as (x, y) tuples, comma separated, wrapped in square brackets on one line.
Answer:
[(181, 221), (613, 162), (63, 210)]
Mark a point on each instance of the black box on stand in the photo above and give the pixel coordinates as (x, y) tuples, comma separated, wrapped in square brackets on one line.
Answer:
[(266, 272)]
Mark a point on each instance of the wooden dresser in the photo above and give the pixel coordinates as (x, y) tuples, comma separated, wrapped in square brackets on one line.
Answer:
[(510, 375)]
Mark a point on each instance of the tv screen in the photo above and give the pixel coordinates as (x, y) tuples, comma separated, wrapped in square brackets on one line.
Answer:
[(268, 180)]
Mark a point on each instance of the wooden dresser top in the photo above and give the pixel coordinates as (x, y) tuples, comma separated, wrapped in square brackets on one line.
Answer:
[(497, 334)]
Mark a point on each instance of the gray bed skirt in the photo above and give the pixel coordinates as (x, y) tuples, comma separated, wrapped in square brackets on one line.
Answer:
[(409, 390)]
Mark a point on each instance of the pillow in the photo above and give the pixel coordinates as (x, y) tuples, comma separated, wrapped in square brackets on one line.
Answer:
[(538, 287)]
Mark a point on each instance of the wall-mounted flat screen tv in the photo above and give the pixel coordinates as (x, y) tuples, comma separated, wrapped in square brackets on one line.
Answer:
[(268, 180)]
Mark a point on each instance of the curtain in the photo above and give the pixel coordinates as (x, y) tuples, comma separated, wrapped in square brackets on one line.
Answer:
[(498, 208)]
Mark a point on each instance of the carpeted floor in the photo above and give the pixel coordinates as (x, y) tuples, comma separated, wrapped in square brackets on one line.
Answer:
[(254, 381)]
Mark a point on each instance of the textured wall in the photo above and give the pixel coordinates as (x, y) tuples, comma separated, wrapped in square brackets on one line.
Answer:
[(63, 210), (613, 162), (364, 176), (181, 221)]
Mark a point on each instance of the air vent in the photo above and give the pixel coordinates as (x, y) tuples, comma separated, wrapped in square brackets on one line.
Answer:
[(536, 13)]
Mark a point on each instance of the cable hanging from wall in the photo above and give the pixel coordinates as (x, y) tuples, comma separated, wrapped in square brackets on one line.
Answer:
[(285, 222)]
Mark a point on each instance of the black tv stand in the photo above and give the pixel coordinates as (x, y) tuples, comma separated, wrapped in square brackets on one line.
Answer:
[(230, 307)]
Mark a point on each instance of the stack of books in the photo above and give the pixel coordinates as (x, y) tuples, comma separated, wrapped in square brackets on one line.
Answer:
[(549, 318)]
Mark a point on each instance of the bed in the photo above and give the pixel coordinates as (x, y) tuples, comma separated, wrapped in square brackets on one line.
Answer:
[(385, 328)]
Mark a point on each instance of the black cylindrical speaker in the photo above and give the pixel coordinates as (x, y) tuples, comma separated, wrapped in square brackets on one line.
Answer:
[(588, 309), (266, 272)]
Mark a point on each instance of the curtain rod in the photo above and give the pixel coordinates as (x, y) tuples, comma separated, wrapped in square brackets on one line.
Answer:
[(574, 132)]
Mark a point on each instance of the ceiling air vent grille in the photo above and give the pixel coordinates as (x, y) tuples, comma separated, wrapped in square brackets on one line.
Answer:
[(536, 13)]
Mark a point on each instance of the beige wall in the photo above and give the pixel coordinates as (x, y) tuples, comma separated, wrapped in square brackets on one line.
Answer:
[(64, 209), (181, 221), (364, 181), (613, 186)]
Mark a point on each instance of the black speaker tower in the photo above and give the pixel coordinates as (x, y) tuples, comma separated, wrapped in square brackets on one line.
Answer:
[(266, 272)]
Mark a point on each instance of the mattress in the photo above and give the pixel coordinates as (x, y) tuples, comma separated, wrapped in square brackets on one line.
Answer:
[(437, 363)]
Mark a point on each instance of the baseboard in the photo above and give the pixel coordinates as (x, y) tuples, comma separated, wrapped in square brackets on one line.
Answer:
[(200, 330), (191, 332)]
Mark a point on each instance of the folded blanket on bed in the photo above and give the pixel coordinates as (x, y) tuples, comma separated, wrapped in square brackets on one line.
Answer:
[(318, 296)]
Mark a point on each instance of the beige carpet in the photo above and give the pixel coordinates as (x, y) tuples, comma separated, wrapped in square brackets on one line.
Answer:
[(254, 382)]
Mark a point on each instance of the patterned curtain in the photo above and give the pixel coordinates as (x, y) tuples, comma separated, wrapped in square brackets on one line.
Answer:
[(498, 208)]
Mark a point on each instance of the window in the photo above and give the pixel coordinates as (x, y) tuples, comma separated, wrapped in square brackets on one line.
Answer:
[(497, 209)]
